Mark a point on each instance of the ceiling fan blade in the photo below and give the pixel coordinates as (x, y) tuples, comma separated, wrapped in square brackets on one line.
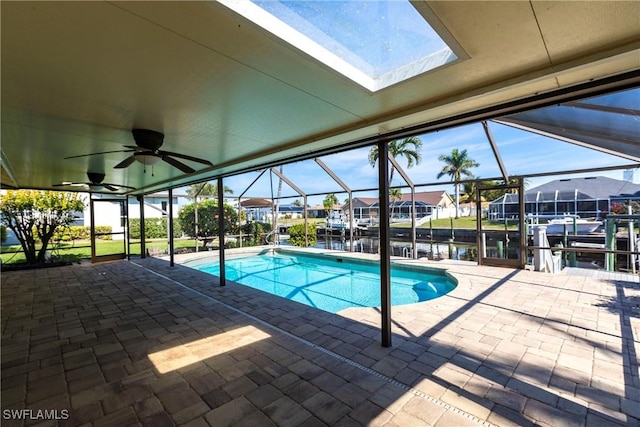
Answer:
[(173, 162), (102, 152), (71, 184), (186, 157), (115, 187), (126, 162)]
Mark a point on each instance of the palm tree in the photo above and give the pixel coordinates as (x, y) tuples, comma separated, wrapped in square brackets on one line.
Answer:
[(329, 202), (514, 181), (206, 190), (394, 194), (469, 192), (457, 165), (409, 148)]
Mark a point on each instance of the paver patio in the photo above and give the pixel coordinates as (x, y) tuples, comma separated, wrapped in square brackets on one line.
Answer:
[(143, 343)]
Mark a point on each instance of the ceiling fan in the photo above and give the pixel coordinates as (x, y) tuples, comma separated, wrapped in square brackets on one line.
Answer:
[(95, 183), (147, 151)]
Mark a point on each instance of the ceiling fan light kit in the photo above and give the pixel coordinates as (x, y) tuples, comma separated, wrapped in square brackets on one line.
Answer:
[(145, 158)]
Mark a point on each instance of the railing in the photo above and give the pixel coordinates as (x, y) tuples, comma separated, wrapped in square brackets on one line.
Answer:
[(271, 233), (407, 252)]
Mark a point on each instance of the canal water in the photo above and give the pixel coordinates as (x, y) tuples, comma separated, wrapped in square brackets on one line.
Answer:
[(431, 250)]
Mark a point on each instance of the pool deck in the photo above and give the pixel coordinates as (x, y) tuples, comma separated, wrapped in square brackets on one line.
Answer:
[(142, 343)]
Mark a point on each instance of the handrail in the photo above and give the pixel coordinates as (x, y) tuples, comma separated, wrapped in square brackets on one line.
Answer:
[(583, 249), (269, 234)]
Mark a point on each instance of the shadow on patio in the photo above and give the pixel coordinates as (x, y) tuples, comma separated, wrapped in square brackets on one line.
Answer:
[(115, 344)]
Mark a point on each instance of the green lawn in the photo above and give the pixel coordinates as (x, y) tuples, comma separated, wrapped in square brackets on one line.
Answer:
[(294, 221), (461, 223), (81, 249)]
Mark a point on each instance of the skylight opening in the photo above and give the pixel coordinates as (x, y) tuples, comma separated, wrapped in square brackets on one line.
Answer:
[(374, 43)]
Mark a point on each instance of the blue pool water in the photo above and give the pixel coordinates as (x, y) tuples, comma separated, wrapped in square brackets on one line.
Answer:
[(328, 283)]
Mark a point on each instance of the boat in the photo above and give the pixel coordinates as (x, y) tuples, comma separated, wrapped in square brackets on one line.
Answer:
[(585, 226), (337, 221)]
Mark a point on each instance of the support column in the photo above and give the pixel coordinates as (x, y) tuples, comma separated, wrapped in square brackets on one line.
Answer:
[(223, 279), (92, 228), (128, 236), (385, 260), (414, 231), (170, 227), (522, 226), (143, 244), (306, 224)]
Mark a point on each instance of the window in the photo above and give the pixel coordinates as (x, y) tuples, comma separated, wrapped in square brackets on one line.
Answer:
[(374, 43)]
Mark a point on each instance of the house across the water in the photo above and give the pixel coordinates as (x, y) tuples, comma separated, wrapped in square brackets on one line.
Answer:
[(591, 197), (437, 204)]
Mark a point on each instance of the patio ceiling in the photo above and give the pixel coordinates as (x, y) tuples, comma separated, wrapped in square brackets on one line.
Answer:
[(77, 77)]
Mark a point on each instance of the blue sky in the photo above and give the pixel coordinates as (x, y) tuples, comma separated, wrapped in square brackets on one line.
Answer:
[(522, 152), (376, 37)]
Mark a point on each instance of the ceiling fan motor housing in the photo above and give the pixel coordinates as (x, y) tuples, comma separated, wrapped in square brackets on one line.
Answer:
[(95, 177), (148, 139)]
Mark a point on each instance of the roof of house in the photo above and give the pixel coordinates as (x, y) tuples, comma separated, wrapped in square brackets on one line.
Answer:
[(367, 201), (597, 187), (590, 188), (429, 197)]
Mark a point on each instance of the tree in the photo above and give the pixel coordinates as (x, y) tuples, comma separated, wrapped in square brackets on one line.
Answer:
[(469, 192), (394, 194), (31, 213), (329, 202), (255, 232), (515, 181), (409, 148), (206, 189), (457, 165), (297, 202), (498, 192), (207, 218)]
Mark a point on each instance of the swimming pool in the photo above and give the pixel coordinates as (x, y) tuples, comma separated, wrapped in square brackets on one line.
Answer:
[(327, 282)]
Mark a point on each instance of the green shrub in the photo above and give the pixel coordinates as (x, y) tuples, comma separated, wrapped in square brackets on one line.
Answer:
[(296, 235), (207, 219), (154, 228), (104, 229), (79, 232), (255, 232)]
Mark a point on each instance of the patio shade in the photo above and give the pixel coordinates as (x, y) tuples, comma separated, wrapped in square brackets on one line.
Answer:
[(256, 203)]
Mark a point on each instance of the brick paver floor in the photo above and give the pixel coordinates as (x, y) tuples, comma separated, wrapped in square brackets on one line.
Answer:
[(143, 343)]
